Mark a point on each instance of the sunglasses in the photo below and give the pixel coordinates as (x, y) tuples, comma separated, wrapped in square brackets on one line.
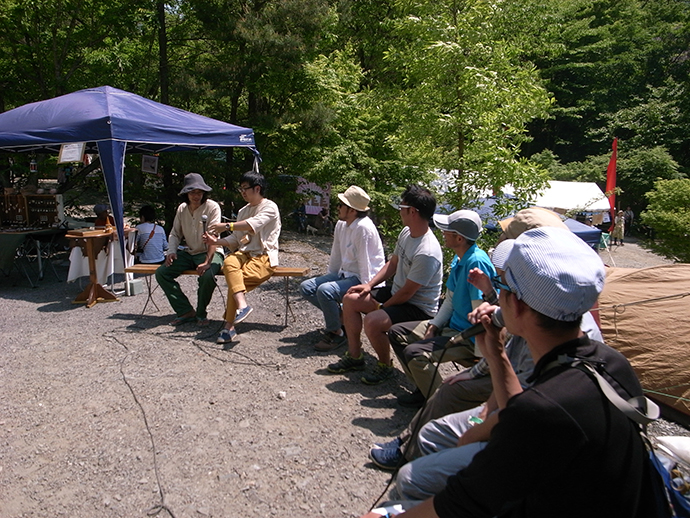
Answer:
[(406, 207), (498, 284)]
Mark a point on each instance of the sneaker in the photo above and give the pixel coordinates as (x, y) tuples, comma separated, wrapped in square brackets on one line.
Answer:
[(347, 363), (380, 374), (242, 314), (412, 400), (388, 458), (395, 443), (227, 336), (330, 341)]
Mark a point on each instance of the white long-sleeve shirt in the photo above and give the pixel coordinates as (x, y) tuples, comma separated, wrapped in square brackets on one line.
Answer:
[(357, 250)]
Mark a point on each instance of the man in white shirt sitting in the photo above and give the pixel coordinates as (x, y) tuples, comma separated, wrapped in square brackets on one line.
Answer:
[(356, 256)]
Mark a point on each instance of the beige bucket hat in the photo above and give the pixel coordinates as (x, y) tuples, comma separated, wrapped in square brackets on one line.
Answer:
[(355, 198)]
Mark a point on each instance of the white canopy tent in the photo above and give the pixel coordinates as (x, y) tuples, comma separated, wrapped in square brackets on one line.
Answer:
[(567, 196)]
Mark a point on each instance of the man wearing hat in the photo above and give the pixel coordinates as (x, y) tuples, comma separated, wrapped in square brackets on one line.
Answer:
[(356, 256), (416, 268), (532, 217), (253, 241), (466, 392), (460, 231), (188, 228), (561, 436)]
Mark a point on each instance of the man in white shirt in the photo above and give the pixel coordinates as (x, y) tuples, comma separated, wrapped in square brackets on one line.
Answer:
[(416, 268), (356, 256), (253, 242)]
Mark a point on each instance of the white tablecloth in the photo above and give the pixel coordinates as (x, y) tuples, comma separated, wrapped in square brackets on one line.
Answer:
[(106, 263)]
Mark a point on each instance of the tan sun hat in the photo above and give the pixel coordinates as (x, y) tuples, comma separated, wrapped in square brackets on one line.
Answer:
[(526, 219), (355, 198)]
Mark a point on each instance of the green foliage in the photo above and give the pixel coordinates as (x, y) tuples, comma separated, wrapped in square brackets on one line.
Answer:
[(668, 213), (465, 97), (51, 48), (383, 93)]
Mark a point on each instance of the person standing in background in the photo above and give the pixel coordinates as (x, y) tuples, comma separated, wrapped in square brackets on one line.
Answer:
[(629, 216)]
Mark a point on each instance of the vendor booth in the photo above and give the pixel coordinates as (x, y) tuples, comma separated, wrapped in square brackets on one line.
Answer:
[(112, 122)]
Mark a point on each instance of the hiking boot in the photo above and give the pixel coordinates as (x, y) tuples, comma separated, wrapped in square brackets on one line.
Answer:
[(414, 400), (380, 374), (389, 458), (347, 363), (330, 341)]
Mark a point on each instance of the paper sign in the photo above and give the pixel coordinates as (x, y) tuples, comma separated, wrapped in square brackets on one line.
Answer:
[(72, 152), (149, 164)]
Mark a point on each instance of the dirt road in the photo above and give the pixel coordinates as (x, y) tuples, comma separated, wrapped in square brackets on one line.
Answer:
[(105, 412)]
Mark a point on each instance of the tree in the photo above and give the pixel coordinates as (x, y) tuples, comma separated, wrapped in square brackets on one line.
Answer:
[(615, 68), (668, 213), (52, 48), (465, 97)]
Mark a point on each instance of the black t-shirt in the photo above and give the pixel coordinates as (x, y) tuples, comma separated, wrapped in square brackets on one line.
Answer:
[(560, 449)]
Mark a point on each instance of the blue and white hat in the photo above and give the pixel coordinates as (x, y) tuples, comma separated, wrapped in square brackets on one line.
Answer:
[(553, 271)]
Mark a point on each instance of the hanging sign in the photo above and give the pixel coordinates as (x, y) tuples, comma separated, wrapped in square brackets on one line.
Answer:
[(72, 152), (149, 164)]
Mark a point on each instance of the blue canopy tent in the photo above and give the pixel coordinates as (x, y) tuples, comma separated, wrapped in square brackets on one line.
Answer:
[(113, 122), (590, 235)]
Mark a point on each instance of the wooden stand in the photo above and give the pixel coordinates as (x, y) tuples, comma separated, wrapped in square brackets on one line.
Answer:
[(94, 292)]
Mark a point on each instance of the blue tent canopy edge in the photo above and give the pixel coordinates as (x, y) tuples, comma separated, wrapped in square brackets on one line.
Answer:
[(113, 122)]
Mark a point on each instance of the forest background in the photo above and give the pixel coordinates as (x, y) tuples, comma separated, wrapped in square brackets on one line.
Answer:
[(381, 93)]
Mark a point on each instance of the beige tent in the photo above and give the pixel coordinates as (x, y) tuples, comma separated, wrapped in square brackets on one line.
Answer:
[(645, 314)]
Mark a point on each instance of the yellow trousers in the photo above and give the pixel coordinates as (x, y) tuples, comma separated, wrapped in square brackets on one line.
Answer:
[(243, 273)]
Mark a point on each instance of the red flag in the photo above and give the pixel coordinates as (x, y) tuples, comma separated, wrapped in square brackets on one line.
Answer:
[(611, 181)]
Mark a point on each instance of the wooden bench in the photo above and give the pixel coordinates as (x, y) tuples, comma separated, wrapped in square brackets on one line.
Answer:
[(280, 271)]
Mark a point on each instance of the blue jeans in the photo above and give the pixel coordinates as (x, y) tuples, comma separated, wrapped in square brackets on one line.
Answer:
[(326, 293), (426, 476)]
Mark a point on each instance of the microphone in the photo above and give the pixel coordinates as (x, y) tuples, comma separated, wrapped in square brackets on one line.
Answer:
[(204, 220), (476, 329)]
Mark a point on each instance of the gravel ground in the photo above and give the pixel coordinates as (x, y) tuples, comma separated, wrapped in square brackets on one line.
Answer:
[(107, 412)]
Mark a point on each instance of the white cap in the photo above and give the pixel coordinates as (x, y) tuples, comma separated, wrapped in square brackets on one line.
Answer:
[(467, 223)]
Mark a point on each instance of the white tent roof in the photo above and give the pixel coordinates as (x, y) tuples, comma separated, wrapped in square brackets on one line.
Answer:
[(567, 196)]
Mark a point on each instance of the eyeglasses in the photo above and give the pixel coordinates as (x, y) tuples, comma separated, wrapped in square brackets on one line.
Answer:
[(406, 207), (242, 189), (499, 284)]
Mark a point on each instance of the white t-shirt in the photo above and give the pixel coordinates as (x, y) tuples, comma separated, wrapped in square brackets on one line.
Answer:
[(264, 218)]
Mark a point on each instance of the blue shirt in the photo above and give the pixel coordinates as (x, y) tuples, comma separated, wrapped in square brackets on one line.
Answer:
[(463, 292)]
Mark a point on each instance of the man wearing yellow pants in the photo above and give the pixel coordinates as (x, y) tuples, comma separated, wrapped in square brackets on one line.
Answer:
[(253, 240)]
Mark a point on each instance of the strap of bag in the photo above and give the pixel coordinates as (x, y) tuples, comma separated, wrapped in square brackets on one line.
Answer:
[(640, 409), (153, 231)]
